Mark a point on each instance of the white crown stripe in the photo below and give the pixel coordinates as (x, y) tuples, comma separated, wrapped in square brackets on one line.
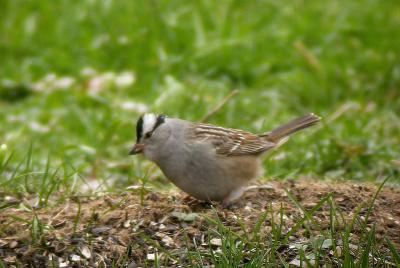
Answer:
[(149, 121)]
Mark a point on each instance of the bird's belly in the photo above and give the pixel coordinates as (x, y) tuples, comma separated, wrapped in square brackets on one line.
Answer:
[(211, 179)]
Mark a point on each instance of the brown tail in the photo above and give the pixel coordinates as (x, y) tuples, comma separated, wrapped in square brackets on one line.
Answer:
[(291, 127)]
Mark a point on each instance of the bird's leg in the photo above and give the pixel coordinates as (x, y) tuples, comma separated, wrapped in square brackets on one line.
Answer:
[(232, 196), (235, 194)]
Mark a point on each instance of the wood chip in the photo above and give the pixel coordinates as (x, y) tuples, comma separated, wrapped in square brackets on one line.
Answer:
[(216, 242)]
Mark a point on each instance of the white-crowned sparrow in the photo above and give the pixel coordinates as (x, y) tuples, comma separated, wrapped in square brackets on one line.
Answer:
[(206, 161)]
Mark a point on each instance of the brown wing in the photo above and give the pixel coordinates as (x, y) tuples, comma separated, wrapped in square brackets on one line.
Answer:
[(232, 142)]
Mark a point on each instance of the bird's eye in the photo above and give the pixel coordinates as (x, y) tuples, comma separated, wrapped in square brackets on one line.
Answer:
[(147, 135)]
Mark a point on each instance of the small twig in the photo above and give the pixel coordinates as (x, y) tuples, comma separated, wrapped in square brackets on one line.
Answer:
[(341, 110), (396, 163), (308, 56), (219, 106), (53, 219)]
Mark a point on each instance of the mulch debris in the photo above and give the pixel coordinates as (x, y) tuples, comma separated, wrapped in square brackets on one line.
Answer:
[(132, 231)]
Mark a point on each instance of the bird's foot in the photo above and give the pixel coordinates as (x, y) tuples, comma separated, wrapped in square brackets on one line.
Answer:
[(192, 202)]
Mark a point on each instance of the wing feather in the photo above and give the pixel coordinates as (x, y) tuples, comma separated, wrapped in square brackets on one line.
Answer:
[(232, 142)]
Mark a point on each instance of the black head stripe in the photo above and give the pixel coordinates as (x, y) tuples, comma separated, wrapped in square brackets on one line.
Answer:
[(160, 120), (139, 129)]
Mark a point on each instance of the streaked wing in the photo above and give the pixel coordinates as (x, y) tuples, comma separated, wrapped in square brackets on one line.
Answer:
[(232, 142)]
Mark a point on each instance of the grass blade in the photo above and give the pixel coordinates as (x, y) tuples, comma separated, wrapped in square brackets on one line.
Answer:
[(395, 253), (306, 216), (364, 260)]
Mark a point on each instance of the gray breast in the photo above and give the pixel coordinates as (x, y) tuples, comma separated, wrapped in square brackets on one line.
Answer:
[(192, 166)]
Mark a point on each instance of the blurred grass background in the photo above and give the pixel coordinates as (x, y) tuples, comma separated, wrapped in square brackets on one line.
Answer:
[(75, 76)]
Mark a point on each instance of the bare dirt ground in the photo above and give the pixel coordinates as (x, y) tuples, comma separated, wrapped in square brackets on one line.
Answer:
[(127, 229)]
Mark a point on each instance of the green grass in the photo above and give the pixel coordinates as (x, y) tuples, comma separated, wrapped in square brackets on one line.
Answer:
[(338, 59), (195, 53)]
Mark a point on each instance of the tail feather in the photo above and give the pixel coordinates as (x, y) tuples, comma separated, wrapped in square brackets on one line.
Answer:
[(293, 126)]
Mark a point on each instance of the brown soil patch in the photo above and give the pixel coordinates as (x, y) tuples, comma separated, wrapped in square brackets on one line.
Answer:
[(119, 229)]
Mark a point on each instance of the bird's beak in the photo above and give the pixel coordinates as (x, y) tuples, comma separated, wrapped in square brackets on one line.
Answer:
[(137, 149)]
